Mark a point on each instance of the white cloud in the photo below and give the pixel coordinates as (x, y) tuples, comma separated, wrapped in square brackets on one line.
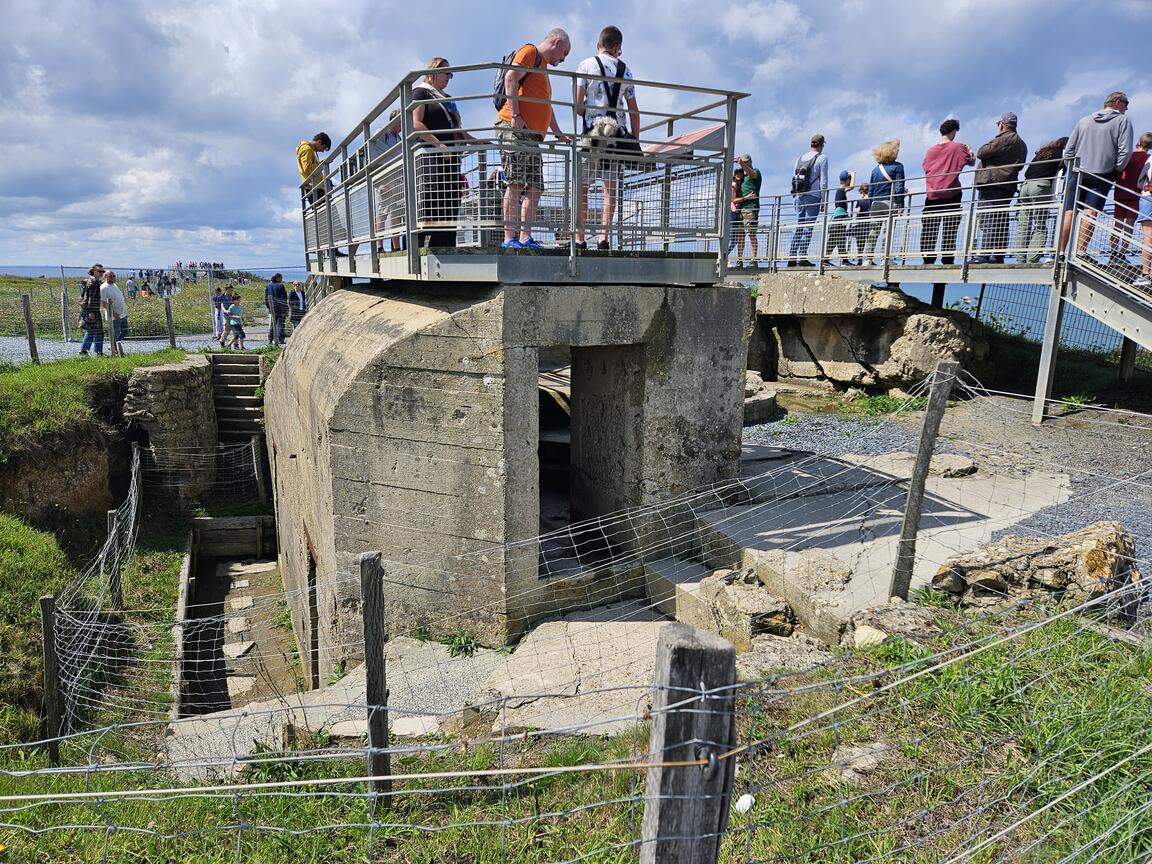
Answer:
[(765, 23)]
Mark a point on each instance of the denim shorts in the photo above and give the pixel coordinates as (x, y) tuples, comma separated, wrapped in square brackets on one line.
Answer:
[(1145, 209), (1091, 191)]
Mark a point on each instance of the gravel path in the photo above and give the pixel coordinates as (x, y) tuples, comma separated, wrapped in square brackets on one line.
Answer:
[(14, 349), (1107, 456)]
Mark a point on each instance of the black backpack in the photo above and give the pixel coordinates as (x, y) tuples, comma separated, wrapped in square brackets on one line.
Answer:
[(802, 176), (499, 97)]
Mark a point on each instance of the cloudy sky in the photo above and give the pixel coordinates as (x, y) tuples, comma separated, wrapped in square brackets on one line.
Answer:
[(145, 132)]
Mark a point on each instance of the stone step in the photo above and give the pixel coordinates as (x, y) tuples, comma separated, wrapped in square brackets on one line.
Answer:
[(672, 584), (238, 412), (221, 361), (227, 375), (236, 399)]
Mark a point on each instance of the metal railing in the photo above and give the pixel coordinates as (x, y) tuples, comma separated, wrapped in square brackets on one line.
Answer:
[(1011, 225), (386, 191)]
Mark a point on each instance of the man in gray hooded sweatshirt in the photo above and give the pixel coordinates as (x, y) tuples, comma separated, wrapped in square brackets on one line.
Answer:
[(1103, 143)]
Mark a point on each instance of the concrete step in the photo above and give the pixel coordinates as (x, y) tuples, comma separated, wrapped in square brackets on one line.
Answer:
[(238, 412), (236, 399), (237, 362), (672, 584), (226, 375), (248, 427)]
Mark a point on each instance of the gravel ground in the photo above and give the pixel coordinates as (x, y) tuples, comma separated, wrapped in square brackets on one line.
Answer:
[(1107, 456), (14, 349)]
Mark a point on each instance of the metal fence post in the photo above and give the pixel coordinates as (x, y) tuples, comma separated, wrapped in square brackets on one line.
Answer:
[(114, 584), (376, 680), (168, 319), (686, 808), (51, 676), (412, 241), (969, 237), (111, 332), (777, 209), (29, 327), (942, 380), (891, 226), (823, 236)]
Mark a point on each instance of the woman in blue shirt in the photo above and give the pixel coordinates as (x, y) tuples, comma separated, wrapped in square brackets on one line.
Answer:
[(886, 187)]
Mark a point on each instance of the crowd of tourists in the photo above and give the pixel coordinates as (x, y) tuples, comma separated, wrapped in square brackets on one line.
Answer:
[(1112, 162), (285, 312), (610, 120)]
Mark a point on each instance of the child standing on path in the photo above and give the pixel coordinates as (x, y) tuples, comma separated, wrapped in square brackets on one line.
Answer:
[(236, 322)]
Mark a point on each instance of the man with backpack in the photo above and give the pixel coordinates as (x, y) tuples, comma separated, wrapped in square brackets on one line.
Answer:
[(809, 182), (523, 97), (600, 104)]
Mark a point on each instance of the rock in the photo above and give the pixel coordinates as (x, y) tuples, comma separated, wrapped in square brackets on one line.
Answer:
[(899, 393), (852, 764), (753, 383), (841, 331), (760, 408), (235, 650), (733, 604), (951, 465), (1093, 560), (852, 394), (866, 635), (769, 655), (238, 625), (874, 625), (239, 603)]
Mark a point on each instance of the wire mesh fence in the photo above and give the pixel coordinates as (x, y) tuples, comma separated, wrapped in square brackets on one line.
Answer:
[(1007, 722)]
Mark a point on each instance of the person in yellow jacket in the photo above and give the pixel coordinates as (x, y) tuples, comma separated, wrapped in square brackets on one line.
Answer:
[(314, 181)]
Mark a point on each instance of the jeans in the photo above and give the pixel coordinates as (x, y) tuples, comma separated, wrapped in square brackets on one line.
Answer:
[(994, 226), (930, 230), (218, 321), (91, 338), (1037, 205), (807, 209), (276, 330)]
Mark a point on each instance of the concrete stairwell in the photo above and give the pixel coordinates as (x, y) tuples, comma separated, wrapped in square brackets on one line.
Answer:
[(239, 408)]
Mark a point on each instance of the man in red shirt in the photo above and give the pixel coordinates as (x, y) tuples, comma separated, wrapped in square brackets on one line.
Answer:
[(1126, 198), (942, 166)]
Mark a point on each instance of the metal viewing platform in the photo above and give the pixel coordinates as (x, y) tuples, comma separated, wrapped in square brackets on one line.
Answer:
[(385, 188)]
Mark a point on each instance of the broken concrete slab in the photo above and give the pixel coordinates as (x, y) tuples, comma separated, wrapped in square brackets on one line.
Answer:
[(240, 583), (239, 603), (239, 625), (771, 655), (238, 685), (234, 650), (587, 673)]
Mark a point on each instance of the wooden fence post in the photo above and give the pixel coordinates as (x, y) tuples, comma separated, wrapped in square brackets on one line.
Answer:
[(51, 675), (29, 327), (65, 324), (376, 679), (258, 467), (686, 808), (942, 380), (114, 562), (168, 319)]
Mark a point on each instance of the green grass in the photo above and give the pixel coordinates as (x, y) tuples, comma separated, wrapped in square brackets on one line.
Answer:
[(876, 406), (191, 310), (31, 565), (55, 400)]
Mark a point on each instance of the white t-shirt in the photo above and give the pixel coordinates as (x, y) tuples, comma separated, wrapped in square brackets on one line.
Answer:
[(112, 294), (596, 102)]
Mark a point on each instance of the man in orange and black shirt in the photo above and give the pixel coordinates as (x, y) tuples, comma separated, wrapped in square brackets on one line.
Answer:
[(521, 124)]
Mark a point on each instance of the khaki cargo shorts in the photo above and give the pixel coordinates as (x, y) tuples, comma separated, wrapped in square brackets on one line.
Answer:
[(520, 155)]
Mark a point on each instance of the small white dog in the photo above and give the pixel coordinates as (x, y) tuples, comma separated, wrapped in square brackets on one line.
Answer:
[(604, 130)]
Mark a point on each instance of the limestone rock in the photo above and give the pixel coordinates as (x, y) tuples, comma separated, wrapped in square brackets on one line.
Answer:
[(1093, 560), (768, 655), (733, 604), (852, 764), (874, 625)]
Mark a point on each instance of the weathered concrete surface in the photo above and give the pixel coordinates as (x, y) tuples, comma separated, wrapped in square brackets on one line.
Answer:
[(424, 681), (407, 422), (773, 655), (825, 542), (759, 398), (851, 334), (590, 672)]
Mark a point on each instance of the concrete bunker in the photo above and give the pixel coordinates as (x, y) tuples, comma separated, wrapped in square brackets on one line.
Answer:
[(407, 420)]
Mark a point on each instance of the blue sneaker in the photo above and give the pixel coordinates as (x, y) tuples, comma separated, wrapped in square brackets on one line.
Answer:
[(511, 244), (530, 243)]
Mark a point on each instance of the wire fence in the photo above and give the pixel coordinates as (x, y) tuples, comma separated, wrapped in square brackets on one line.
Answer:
[(165, 308), (1004, 723), (1021, 310)]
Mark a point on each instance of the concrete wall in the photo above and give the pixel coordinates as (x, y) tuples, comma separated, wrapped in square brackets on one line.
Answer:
[(408, 422)]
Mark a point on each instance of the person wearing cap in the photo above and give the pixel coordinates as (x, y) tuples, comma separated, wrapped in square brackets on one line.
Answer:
[(838, 224), (942, 166), (748, 203), (1001, 161), (1101, 143), (812, 165)]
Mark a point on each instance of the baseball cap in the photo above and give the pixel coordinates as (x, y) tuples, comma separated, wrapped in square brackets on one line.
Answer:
[(1008, 118), (817, 140), (844, 175)]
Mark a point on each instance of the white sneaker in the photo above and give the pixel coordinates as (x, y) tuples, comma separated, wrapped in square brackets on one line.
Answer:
[(1142, 282)]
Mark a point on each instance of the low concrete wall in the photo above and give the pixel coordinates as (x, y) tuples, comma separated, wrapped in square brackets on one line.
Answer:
[(185, 596)]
